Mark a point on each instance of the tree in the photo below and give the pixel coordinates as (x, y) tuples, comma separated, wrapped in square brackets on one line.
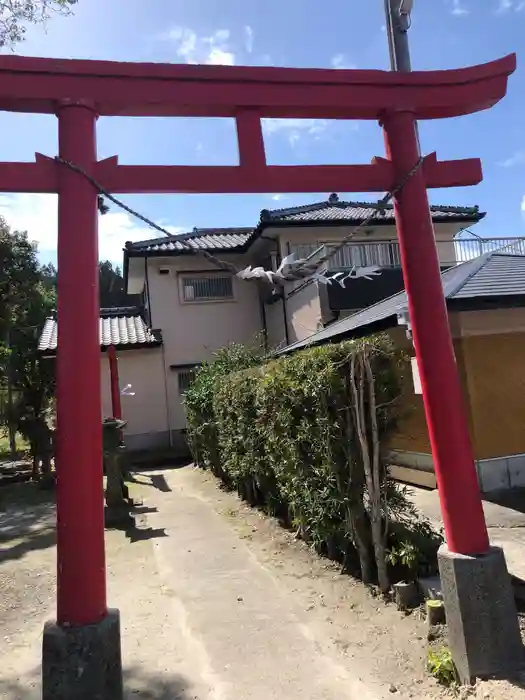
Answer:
[(111, 283), (16, 14), (28, 296)]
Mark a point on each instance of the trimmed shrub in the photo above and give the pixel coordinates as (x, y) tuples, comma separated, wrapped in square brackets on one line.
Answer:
[(202, 429), (303, 436)]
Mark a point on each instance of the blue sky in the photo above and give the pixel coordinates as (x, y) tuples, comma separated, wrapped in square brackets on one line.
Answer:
[(301, 33)]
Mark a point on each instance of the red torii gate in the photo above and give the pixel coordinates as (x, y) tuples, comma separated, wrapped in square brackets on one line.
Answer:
[(79, 91)]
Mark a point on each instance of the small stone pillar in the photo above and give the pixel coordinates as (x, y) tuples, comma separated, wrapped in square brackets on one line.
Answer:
[(116, 513)]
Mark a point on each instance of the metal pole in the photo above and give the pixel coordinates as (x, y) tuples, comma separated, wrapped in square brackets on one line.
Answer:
[(398, 24), (398, 21)]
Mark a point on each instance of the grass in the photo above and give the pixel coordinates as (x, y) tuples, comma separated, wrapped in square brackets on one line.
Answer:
[(5, 452)]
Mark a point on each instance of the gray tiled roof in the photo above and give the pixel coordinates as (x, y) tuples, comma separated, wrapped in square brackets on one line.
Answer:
[(232, 239), (120, 331), (335, 210), (501, 275), (199, 239), (490, 275)]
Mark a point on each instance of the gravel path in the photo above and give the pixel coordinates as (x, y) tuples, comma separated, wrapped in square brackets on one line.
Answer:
[(217, 602)]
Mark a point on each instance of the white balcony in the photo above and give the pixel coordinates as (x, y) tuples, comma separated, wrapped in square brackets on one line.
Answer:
[(386, 253)]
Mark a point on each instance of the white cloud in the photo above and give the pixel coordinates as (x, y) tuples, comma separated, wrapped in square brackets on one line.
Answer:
[(517, 159), (279, 197), (341, 61), (191, 48), (505, 6), (218, 57), (295, 128), (248, 39), (458, 9), (37, 214)]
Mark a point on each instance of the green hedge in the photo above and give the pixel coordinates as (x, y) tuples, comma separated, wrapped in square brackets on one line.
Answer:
[(283, 433)]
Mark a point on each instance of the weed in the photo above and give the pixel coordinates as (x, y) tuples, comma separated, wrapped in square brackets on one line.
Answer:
[(441, 666)]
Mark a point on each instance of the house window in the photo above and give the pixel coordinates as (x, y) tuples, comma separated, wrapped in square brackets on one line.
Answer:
[(207, 288), (185, 378)]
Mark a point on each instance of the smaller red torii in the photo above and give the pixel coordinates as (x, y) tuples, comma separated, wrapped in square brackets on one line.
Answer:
[(80, 91)]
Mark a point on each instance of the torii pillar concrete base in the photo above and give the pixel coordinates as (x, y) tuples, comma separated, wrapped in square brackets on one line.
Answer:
[(83, 663), (483, 630)]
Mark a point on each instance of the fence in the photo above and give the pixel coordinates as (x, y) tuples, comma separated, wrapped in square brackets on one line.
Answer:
[(387, 253)]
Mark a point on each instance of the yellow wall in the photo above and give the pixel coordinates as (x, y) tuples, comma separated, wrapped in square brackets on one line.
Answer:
[(492, 373), (412, 433), (495, 378)]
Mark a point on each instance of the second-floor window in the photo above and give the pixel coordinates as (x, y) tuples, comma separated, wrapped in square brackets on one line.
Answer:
[(199, 288)]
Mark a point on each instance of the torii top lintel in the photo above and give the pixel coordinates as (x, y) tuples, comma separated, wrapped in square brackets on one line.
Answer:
[(156, 89), (42, 85)]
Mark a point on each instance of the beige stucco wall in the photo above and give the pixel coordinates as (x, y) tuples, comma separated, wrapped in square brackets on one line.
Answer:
[(275, 328), (145, 412), (193, 331), (304, 313)]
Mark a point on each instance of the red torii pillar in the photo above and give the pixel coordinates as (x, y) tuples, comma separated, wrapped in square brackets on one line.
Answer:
[(78, 91), (80, 507)]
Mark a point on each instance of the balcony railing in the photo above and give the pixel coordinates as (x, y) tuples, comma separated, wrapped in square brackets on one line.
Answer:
[(387, 253)]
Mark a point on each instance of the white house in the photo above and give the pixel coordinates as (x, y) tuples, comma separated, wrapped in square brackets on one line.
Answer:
[(196, 308)]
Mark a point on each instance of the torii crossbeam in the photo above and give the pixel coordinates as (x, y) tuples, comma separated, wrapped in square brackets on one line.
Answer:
[(80, 91)]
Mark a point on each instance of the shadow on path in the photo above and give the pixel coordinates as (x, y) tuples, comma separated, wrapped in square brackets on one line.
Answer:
[(144, 510), (32, 541), (513, 499), (139, 534), (158, 481), (27, 520), (138, 685)]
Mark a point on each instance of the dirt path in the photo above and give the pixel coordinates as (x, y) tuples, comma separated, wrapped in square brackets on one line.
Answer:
[(218, 602)]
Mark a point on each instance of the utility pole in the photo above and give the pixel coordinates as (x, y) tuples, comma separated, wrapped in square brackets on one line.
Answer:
[(397, 14), (398, 22)]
